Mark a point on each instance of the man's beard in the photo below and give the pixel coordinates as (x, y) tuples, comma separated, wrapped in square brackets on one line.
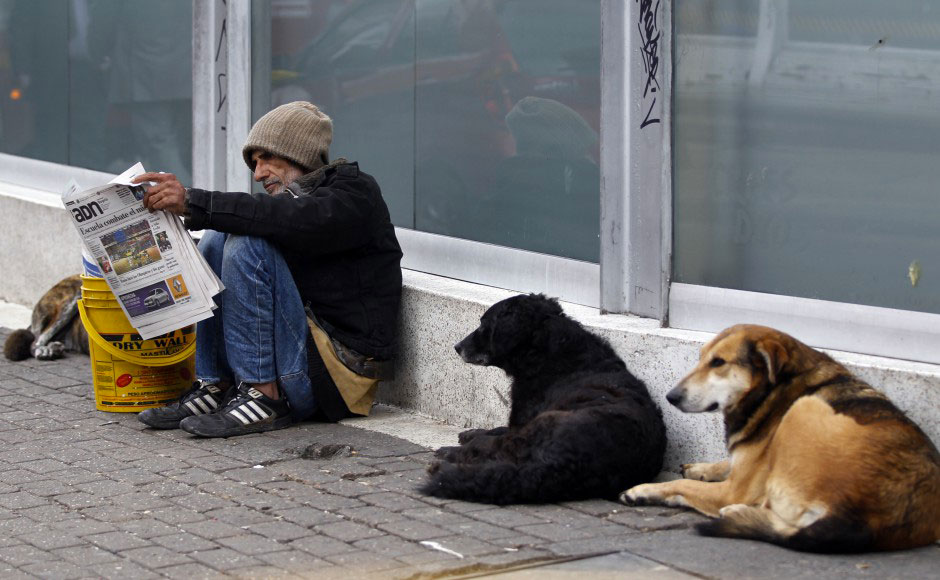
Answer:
[(279, 187)]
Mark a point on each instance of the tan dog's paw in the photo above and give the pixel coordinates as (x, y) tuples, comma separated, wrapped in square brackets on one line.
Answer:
[(706, 471), (644, 494), (697, 471), (735, 511)]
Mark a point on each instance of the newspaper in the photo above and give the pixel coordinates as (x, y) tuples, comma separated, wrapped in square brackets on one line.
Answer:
[(149, 260)]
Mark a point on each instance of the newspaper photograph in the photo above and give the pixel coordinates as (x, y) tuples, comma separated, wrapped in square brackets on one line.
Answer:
[(148, 259)]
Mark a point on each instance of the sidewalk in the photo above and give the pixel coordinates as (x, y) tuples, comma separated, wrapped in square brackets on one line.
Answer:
[(87, 494)]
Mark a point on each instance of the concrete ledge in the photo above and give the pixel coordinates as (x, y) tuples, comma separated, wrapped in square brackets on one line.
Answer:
[(41, 247), (432, 380)]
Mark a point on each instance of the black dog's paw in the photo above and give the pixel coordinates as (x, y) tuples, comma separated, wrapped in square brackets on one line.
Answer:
[(447, 453), (434, 467), (469, 434)]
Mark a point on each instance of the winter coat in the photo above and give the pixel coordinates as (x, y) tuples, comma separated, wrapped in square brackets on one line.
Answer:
[(333, 229)]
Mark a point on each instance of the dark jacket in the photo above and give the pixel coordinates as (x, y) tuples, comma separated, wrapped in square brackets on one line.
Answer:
[(333, 229)]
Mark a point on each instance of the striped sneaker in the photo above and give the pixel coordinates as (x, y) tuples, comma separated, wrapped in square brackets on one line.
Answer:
[(249, 411), (201, 399)]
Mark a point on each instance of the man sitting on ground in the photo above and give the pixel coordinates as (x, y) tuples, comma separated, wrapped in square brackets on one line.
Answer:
[(322, 238)]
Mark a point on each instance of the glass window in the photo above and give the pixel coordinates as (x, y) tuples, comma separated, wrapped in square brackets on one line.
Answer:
[(478, 119), (95, 84), (806, 151)]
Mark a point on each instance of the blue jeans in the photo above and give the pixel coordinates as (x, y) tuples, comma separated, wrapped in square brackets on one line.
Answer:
[(259, 332)]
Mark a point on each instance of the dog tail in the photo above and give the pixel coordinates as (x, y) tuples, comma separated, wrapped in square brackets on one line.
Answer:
[(829, 535), (18, 345), (498, 483)]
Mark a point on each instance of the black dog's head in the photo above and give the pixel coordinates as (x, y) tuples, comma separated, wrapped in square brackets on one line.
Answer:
[(509, 330)]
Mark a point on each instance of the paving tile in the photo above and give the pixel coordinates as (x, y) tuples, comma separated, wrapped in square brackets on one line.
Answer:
[(192, 571), (23, 554), (210, 529), (307, 516), (56, 569), (252, 544), (348, 531), (321, 546), (117, 541), (84, 526), (238, 516), (371, 515), (147, 528), (298, 562), (184, 542), (51, 539), (280, 530), (225, 559), (506, 517), (122, 570), (155, 557), (20, 500), (414, 530)]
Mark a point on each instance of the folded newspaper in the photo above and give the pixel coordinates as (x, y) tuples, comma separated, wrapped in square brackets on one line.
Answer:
[(149, 260)]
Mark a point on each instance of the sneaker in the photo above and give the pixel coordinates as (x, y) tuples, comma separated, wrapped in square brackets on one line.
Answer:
[(249, 411), (202, 398)]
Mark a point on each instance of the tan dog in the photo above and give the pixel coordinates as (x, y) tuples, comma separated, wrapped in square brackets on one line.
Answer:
[(820, 461), (55, 325)]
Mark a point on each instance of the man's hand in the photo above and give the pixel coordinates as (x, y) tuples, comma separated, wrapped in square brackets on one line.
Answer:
[(168, 193)]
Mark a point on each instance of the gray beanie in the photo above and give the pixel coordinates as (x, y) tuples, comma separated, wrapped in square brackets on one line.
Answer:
[(297, 131), (544, 127)]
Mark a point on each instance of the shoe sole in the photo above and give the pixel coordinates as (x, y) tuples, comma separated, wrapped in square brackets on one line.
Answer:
[(159, 425), (260, 427)]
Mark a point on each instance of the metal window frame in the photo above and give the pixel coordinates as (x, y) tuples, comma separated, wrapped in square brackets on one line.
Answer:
[(636, 157)]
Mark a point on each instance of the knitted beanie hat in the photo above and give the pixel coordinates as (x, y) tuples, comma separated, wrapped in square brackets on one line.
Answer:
[(297, 131), (547, 128)]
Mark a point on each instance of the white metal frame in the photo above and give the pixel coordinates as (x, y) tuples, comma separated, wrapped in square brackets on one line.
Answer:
[(636, 190)]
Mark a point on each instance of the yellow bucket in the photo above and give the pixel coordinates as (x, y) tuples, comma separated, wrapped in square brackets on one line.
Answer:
[(131, 374)]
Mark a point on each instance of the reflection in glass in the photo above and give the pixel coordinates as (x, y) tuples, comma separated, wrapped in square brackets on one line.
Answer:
[(806, 149), (88, 83), (421, 91)]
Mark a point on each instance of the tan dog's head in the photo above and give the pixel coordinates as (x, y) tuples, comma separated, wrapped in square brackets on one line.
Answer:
[(740, 359)]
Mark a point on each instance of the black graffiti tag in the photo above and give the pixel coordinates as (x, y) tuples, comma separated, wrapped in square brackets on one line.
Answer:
[(649, 51)]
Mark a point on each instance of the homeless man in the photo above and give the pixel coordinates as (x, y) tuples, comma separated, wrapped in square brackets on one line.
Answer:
[(306, 323)]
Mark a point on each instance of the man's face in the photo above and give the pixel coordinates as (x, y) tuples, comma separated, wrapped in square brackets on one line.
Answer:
[(273, 172)]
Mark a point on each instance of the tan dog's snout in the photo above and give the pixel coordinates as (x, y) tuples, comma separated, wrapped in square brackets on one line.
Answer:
[(676, 395)]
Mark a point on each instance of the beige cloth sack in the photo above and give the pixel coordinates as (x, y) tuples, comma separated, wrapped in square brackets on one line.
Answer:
[(358, 392)]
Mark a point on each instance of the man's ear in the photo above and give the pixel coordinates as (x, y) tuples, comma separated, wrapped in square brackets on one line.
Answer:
[(775, 357)]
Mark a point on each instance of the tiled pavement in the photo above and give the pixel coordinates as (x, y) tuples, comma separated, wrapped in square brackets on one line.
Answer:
[(87, 494)]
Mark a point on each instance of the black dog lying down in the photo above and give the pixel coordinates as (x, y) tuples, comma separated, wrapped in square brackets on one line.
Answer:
[(580, 426)]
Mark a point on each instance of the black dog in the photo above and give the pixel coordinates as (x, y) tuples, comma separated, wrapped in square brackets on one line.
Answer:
[(580, 426)]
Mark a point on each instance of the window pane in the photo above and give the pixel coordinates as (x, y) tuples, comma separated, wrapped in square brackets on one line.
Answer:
[(34, 79), (355, 60), (806, 150), (507, 109), (89, 83)]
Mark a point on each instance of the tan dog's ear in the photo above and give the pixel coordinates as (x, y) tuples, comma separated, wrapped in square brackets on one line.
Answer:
[(775, 357)]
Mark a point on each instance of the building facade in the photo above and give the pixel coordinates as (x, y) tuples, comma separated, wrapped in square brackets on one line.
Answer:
[(675, 165)]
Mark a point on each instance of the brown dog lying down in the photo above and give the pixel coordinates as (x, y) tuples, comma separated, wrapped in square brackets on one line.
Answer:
[(820, 461), (55, 327)]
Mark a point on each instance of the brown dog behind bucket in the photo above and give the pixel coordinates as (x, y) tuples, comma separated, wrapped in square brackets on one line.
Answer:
[(55, 327)]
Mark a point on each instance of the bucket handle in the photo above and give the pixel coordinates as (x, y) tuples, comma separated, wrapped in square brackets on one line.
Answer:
[(132, 358)]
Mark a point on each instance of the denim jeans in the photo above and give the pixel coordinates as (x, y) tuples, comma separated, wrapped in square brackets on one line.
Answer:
[(259, 332)]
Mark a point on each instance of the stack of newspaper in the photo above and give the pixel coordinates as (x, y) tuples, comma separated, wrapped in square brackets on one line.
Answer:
[(148, 258)]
